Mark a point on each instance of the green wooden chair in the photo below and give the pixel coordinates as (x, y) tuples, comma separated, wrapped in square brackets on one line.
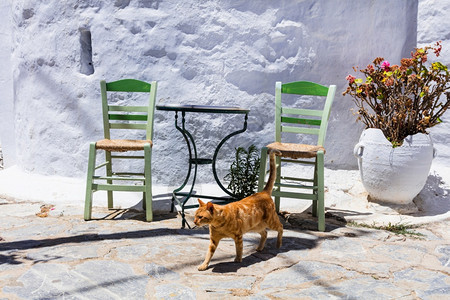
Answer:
[(123, 120), (300, 121)]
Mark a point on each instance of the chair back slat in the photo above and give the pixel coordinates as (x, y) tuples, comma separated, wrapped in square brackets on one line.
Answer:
[(303, 112), (293, 120), (300, 130), (305, 121), (127, 126), (128, 108), (128, 116), (128, 85), (304, 88)]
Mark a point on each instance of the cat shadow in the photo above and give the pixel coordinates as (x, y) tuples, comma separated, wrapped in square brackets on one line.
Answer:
[(300, 235), (290, 243)]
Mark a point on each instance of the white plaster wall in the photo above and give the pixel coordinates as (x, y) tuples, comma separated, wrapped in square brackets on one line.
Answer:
[(434, 25), (7, 134), (202, 52)]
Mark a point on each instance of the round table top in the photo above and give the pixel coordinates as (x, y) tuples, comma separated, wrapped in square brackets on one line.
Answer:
[(203, 108)]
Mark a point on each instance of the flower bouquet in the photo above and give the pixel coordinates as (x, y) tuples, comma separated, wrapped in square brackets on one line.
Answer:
[(405, 99)]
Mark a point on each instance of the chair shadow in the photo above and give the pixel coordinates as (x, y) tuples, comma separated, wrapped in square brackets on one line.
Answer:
[(161, 211)]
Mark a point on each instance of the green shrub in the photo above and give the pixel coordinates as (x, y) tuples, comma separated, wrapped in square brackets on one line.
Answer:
[(243, 175)]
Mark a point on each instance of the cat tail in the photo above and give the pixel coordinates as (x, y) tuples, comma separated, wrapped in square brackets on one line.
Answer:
[(272, 172)]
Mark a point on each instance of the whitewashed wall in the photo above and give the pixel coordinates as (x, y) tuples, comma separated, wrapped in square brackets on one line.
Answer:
[(202, 52), (7, 134), (434, 25)]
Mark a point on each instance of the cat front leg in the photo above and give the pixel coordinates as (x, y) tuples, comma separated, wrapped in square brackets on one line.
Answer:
[(213, 243), (262, 241), (239, 248)]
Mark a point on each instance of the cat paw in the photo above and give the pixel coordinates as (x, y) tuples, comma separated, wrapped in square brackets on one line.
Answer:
[(202, 267), (259, 249), (238, 259)]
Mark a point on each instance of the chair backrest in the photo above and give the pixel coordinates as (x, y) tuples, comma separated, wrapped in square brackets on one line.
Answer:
[(311, 121), (128, 116)]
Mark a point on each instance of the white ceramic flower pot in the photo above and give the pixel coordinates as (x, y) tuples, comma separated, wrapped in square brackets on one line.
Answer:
[(393, 175)]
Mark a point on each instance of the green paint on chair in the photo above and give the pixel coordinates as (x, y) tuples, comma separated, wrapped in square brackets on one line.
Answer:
[(127, 120), (300, 121)]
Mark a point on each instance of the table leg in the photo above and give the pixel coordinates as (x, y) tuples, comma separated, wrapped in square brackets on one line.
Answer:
[(189, 141), (217, 152)]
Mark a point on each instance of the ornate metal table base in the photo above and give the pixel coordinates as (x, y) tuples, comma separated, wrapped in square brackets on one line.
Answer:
[(194, 161)]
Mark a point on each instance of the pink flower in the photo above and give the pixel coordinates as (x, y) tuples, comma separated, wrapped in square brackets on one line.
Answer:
[(350, 79), (385, 65)]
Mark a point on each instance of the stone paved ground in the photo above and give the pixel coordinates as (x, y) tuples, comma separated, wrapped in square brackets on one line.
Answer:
[(63, 257)]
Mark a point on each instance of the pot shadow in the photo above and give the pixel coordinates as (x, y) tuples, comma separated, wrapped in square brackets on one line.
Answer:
[(434, 199)]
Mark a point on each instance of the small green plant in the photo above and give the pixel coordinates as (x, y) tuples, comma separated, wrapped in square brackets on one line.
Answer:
[(398, 228), (243, 175)]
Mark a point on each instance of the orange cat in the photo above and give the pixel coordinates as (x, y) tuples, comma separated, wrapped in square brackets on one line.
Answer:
[(254, 213)]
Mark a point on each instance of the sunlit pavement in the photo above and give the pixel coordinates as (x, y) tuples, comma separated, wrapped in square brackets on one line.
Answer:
[(119, 256)]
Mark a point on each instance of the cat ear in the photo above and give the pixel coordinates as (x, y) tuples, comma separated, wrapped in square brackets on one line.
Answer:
[(201, 202), (210, 207)]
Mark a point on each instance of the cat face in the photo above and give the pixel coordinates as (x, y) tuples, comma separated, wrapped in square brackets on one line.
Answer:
[(204, 214)]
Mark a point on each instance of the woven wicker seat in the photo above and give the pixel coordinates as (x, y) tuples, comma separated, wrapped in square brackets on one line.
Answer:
[(122, 145), (296, 151)]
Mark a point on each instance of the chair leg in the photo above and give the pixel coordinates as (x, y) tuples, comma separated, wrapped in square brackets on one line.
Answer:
[(148, 183), (89, 181), (109, 173), (262, 169), (320, 191), (277, 180), (314, 204)]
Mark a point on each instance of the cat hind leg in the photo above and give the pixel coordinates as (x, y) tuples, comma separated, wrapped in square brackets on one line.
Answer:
[(276, 225), (262, 241)]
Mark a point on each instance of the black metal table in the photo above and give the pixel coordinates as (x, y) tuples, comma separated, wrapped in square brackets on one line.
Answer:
[(182, 197)]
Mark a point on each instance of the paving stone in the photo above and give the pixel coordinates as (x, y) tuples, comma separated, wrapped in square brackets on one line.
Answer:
[(402, 253), (43, 281), (33, 230), (427, 234), (174, 292), (343, 247), (93, 279), (64, 253), (131, 252), (363, 287), (161, 272), (223, 283), (444, 250), (118, 278), (426, 284), (304, 272)]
